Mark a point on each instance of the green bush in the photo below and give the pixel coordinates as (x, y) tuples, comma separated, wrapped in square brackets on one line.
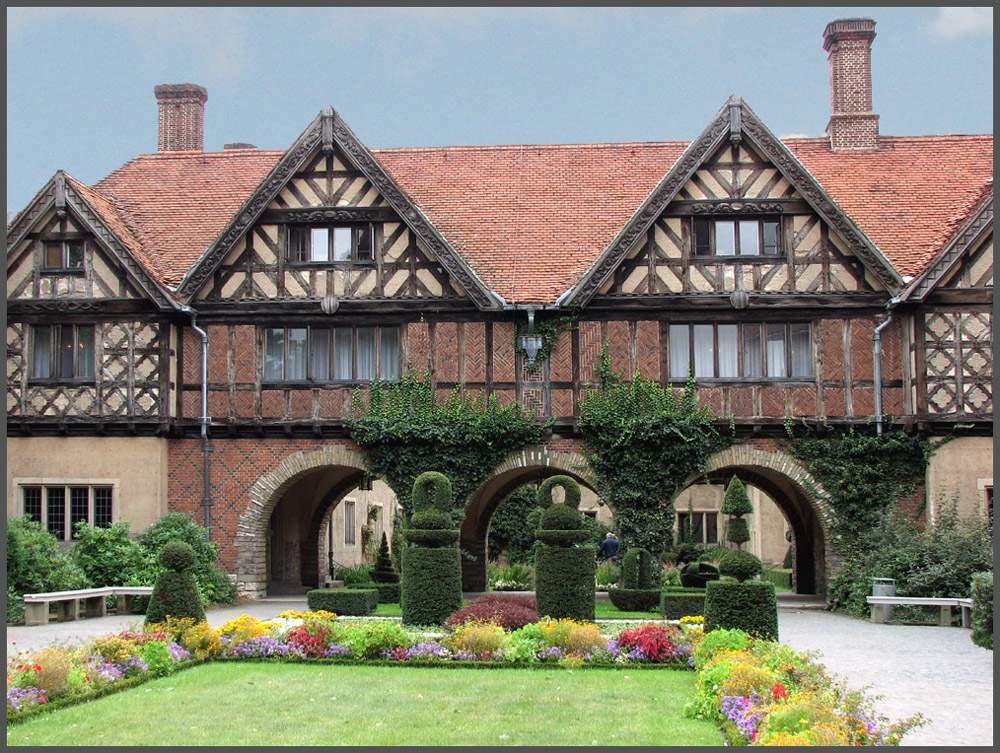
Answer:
[(570, 487), (213, 583), (110, 556), (354, 575), (781, 577), (740, 565), (982, 610), (431, 584), (637, 570), (750, 607), (388, 593), (564, 581), (635, 599), (384, 572), (36, 564), (682, 602), (432, 537), (698, 574), (176, 591), (514, 576), (737, 531), (349, 601), (561, 518)]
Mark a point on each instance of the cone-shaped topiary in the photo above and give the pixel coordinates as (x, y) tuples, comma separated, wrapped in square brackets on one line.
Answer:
[(384, 571), (431, 580), (564, 571), (736, 504), (740, 565), (176, 591)]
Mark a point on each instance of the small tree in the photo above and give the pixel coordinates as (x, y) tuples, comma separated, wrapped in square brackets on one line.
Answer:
[(176, 591), (736, 504)]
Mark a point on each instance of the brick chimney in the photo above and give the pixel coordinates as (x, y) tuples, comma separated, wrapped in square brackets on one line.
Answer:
[(182, 113), (852, 124)]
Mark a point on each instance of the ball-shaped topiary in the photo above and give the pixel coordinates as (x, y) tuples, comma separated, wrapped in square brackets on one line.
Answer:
[(561, 518), (176, 591), (431, 518), (740, 565)]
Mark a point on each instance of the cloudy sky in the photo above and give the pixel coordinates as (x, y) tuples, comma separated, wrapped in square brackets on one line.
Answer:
[(80, 80)]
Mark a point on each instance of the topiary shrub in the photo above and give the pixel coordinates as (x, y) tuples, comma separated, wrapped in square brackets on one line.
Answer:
[(384, 572), (736, 504), (176, 591), (431, 580), (388, 593), (740, 565), (698, 574), (506, 610), (564, 570), (341, 601), (750, 607), (214, 585), (682, 602), (982, 610), (637, 569), (635, 599)]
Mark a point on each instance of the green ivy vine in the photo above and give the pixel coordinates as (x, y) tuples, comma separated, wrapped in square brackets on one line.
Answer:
[(644, 441), (406, 429), (863, 473), (549, 330)]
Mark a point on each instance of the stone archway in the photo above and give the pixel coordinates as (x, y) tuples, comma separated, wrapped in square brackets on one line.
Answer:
[(799, 496), (533, 463), (347, 467)]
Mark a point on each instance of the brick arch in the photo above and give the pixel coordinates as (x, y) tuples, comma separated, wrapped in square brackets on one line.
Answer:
[(798, 495), (251, 531), (532, 463)]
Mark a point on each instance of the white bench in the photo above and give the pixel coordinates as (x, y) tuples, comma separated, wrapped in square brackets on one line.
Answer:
[(36, 606), (944, 603)]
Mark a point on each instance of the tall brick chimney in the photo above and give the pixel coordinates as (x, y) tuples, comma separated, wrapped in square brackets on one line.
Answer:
[(852, 124), (182, 114)]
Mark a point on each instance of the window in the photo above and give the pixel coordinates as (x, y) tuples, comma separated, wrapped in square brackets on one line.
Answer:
[(350, 529), (331, 353), (704, 527), (741, 351), (331, 243), (737, 237), (60, 508), (63, 255), (62, 351)]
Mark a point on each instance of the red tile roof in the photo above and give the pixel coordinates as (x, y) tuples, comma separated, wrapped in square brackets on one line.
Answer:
[(530, 219)]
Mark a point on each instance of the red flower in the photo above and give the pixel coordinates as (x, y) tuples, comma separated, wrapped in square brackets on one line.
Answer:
[(779, 691)]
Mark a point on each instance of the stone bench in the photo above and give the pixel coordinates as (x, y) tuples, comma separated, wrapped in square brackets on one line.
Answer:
[(67, 603), (944, 603)]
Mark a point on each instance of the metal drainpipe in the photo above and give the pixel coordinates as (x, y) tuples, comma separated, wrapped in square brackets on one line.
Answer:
[(877, 345), (206, 502)]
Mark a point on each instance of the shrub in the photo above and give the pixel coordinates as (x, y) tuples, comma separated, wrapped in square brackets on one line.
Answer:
[(567, 634), (52, 667), (635, 599), (388, 593), (477, 639), (637, 569), (564, 581), (176, 591), (377, 638), (509, 612), (740, 565), (751, 607), (698, 574), (781, 577), (110, 556), (660, 643), (213, 583), (736, 504), (682, 602), (157, 658), (431, 584), (384, 572), (35, 563), (982, 610), (353, 601), (312, 638), (355, 575), (512, 576), (561, 518)]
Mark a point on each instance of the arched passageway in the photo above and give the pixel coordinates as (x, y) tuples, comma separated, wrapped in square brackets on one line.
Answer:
[(531, 464)]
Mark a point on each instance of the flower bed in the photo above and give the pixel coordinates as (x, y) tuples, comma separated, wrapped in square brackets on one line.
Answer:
[(759, 692)]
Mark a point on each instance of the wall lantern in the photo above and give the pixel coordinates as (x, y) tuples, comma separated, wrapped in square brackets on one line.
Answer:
[(531, 343), (366, 482)]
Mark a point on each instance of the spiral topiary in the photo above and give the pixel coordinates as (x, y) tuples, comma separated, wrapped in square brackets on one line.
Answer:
[(564, 570), (431, 579), (176, 590)]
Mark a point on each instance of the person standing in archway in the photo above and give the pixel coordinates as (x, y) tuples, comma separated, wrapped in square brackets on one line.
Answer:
[(608, 549)]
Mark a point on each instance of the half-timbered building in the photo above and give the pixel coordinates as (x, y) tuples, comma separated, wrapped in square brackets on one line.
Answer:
[(187, 333)]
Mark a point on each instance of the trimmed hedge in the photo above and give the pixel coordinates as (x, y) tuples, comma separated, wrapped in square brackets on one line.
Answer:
[(982, 610), (682, 602), (388, 593), (431, 584), (637, 569), (698, 574), (779, 576), (347, 601), (564, 581), (750, 607), (635, 599)]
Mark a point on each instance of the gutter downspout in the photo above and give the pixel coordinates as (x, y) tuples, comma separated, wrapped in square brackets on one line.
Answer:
[(877, 347), (205, 420)]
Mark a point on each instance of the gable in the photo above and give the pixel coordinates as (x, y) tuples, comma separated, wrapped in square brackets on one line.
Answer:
[(738, 170), (325, 186), (739, 222), (70, 245)]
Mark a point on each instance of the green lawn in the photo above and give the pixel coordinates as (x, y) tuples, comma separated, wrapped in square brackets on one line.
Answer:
[(302, 704)]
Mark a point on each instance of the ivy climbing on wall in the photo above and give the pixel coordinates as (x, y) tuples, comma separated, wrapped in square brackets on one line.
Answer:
[(644, 441), (406, 428)]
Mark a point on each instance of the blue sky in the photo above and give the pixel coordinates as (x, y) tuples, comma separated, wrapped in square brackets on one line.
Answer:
[(80, 80)]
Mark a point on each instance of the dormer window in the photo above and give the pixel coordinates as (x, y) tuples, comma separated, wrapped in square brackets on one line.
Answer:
[(63, 255), (751, 237), (323, 244)]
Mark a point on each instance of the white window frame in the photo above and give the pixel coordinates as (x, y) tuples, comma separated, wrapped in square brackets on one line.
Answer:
[(352, 243), (350, 522), (385, 366)]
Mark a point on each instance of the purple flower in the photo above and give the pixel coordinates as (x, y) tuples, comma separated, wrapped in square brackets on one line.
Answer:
[(740, 711), (340, 649), (262, 645), (18, 698), (178, 653)]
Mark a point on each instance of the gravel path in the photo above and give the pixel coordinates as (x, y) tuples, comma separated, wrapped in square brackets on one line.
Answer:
[(936, 671)]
